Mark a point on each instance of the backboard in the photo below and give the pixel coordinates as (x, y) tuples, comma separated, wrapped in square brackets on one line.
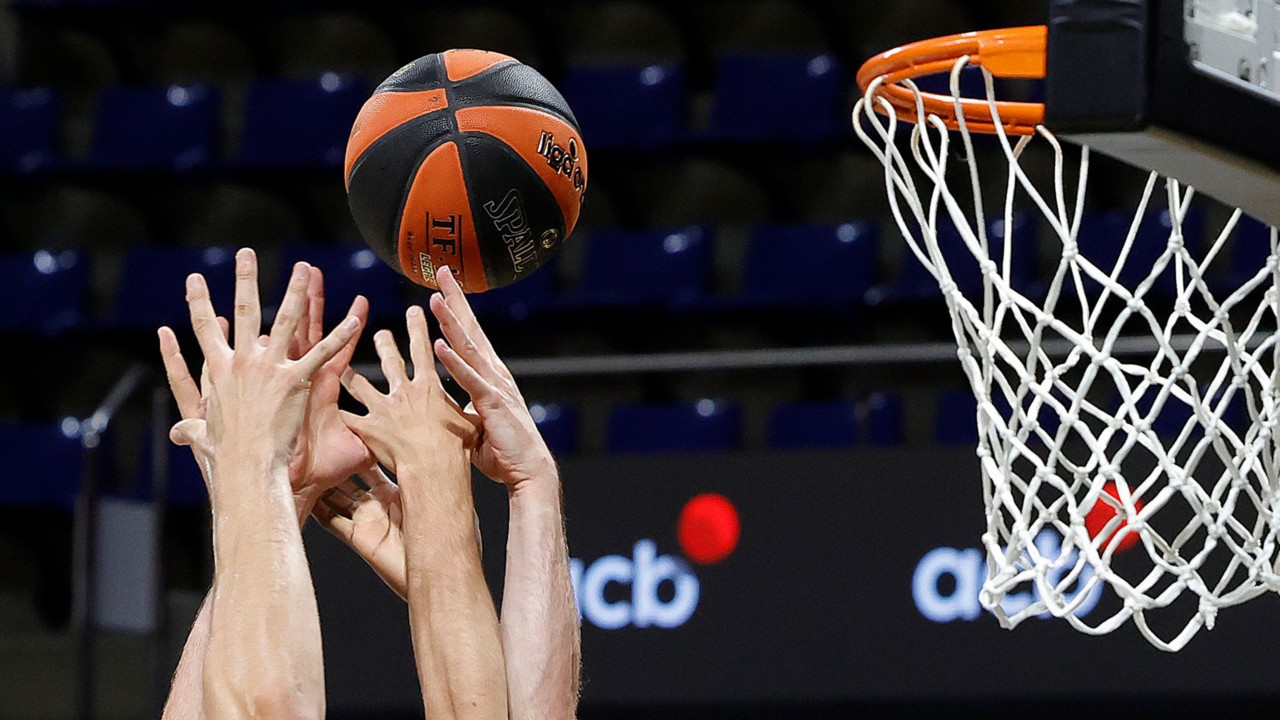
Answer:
[(1188, 88)]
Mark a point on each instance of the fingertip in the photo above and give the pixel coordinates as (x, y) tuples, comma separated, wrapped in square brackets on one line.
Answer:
[(351, 322)]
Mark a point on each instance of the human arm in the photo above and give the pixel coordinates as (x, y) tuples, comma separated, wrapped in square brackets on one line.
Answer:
[(326, 452), (540, 632), (186, 697), (264, 656), (422, 436)]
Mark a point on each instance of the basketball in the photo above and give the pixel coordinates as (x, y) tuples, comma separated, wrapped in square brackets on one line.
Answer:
[(467, 159)]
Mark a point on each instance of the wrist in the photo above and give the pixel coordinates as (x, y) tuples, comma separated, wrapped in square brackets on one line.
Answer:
[(541, 489), (241, 474)]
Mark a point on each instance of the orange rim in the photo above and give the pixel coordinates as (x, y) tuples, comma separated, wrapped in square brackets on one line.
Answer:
[(1008, 53)]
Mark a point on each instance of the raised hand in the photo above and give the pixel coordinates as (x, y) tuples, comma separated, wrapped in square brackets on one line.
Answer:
[(191, 430), (416, 420), (511, 449), (261, 610), (254, 392), (371, 522), (327, 453), (419, 432)]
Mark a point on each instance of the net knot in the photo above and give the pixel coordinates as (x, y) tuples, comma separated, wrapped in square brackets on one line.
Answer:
[(1208, 612)]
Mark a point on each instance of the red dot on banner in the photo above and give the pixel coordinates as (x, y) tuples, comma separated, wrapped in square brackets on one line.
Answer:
[(1101, 513), (708, 530)]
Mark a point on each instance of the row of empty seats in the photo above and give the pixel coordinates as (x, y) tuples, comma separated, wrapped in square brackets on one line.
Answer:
[(291, 122), (44, 463), (785, 266)]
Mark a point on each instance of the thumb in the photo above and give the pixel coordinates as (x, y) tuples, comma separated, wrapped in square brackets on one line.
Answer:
[(356, 423), (185, 432)]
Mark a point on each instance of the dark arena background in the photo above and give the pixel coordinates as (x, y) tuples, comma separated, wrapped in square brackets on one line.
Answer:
[(734, 314)]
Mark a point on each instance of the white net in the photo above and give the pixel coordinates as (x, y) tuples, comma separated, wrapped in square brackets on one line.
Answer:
[(1127, 402)]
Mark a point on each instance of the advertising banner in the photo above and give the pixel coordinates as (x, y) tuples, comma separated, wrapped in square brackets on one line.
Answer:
[(853, 575)]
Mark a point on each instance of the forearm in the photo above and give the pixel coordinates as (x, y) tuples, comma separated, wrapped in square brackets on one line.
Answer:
[(264, 657), (451, 614), (185, 695), (540, 632)]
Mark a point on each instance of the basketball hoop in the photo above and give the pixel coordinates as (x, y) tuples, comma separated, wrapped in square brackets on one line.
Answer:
[(1150, 437)]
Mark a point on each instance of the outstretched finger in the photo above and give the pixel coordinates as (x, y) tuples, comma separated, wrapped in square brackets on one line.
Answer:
[(248, 310), (359, 310), (419, 342), (315, 307), (289, 316), (302, 341), (203, 320), (461, 340), (181, 384), (481, 391), (457, 301), (329, 346), (357, 424), (359, 387), (392, 361)]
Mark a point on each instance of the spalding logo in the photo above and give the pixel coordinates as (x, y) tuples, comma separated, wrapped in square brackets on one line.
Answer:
[(509, 219)]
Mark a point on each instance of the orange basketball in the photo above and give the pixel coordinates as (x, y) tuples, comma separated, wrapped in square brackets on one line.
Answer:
[(469, 159)]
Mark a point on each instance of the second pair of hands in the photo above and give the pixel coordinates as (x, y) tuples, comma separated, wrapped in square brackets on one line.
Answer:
[(333, 445)]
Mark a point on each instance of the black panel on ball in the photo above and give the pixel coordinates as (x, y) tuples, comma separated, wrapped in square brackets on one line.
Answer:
[(512, 209), (381, 176), (512, 84), (425, 73)]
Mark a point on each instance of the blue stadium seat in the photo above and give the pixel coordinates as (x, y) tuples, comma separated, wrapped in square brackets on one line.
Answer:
[(825, 265), (627, 106), (29, 126), (702, 426), (153, 286), (349, 270), (43, 291), (646, 267), (300, 122), (914, 281), (782, 97), (955, 422), (534, 293), (43, 464), (884, 419), (558, 424), (156, 127), (814, 425)]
